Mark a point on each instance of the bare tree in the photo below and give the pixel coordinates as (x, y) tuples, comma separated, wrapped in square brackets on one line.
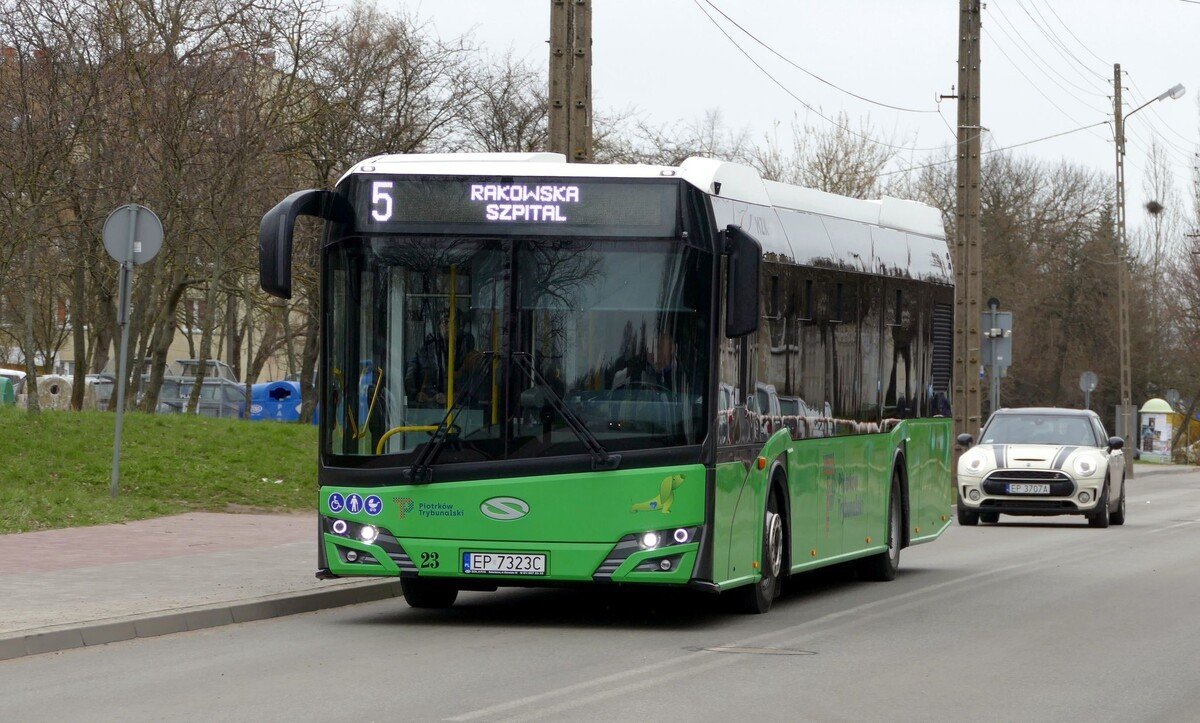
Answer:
[(508, 111)]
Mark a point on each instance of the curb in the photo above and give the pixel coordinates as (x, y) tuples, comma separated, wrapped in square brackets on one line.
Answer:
[(99, 632)]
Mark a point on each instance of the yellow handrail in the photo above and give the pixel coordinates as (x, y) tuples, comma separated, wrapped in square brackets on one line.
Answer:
[(495, 369), (401, 429), (452, 334), (354, 430)]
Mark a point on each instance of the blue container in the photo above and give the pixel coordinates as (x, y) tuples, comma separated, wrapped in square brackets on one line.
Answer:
[(278, 401)]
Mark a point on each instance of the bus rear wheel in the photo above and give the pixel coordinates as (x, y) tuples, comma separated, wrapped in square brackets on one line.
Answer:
[(757, 598), (882, 566), (427, 594)]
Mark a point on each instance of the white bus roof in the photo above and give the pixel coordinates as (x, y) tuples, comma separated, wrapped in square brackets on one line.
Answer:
[(719, 178)]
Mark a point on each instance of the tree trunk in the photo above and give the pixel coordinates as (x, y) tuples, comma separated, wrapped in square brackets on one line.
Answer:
[(78, 381), (208, 320), (308, 365), (31, 371), (160, 344)]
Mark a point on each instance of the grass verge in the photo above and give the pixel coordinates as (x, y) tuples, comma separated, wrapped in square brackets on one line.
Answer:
[(56, 467)]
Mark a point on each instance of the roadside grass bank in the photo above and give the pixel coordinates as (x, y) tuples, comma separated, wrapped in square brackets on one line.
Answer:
[(56, 468)]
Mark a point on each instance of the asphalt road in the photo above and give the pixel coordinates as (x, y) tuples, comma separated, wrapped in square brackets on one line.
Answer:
[(1031, 619)]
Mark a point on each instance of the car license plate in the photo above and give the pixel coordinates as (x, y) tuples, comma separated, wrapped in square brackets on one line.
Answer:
[(1023, 488), (503, 563)]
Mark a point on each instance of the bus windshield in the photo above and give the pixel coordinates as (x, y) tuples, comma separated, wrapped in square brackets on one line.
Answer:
[(616, 329)]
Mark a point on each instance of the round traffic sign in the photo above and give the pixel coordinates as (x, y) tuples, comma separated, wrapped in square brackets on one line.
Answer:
[(1088, 381), (146, 237)]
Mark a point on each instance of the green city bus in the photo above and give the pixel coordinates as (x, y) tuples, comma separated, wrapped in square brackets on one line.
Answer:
[(541, 373)]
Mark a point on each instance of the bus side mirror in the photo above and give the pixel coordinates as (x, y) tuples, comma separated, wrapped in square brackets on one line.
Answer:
[(741, 282), (275, 235)]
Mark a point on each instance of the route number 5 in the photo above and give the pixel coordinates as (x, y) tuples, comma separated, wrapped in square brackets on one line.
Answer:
[(381, 201)]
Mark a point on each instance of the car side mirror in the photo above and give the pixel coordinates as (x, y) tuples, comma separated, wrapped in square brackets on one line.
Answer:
[(741, 282), (1115, 443), (964, 440)]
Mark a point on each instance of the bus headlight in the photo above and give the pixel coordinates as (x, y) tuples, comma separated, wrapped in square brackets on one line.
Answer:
[(368, 533), (339, 527), (650, 540)]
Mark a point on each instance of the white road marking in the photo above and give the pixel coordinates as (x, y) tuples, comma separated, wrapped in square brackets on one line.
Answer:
[(1172, 527), (705, 660)]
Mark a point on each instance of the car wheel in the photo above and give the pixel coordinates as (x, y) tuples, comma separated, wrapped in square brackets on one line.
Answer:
[(966, 517), (1100, 517), (758, 597), (420, 593), (989, 517), (1118, 517), (882, 567)]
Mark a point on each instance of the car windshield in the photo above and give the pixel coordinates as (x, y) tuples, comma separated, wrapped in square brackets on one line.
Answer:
[(1040, 429), (616, 329)]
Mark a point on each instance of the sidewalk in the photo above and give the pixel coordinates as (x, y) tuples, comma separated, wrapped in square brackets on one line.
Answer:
[(1149, 469), (91, 585)]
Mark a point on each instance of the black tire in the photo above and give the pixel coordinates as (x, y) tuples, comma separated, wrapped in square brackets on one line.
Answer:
[(1100, 518), (882, 566), (989, 517), (427, 594), (966, 517), (1118, 517), (757, 599)]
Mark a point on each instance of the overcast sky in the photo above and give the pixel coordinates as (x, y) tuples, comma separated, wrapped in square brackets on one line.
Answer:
[(1047, 66)]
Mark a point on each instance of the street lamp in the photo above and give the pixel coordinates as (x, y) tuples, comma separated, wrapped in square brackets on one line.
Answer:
[(1125, 413)]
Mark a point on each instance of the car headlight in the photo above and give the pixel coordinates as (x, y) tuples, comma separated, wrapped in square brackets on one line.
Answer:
[(973, 463), (1085, 466)]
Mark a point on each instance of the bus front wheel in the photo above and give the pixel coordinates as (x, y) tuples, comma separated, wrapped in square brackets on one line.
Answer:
[(758, 597), (427, 593)]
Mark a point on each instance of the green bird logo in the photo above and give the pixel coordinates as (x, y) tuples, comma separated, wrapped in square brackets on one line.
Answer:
[(666, 496)]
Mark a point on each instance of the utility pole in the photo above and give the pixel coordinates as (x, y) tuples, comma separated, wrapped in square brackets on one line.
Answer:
[(1124, 421), (571, 79), (968, 253)]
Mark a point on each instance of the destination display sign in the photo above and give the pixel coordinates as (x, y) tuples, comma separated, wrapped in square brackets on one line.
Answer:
[(625, 207)]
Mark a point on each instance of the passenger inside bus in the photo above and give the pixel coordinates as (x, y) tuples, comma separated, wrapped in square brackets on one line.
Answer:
[(654, 368), (426, 376)]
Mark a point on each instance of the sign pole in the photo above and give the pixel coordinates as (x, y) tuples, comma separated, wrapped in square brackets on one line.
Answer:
[(122, 355), (132, 236)]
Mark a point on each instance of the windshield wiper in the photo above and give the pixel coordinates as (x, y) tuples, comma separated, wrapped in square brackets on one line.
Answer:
[(602, 459), (421, 470)]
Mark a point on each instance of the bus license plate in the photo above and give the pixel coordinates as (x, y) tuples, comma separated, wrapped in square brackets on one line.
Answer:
[(504, 563), (1022, 488)]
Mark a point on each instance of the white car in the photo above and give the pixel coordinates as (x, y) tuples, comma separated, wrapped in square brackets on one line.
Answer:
[(1042, 461)]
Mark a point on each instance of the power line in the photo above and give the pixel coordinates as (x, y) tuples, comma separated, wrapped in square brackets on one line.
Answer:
[(1041, 63), (1033, 84), (808, 72), (1050, 7), (1056, 41), (800, 100), (996, 150)]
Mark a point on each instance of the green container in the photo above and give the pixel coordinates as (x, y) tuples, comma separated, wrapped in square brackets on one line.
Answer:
[(7, 395)]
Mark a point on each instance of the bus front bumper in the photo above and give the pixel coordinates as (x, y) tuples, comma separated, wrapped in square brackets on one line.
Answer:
[(628, 560)]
